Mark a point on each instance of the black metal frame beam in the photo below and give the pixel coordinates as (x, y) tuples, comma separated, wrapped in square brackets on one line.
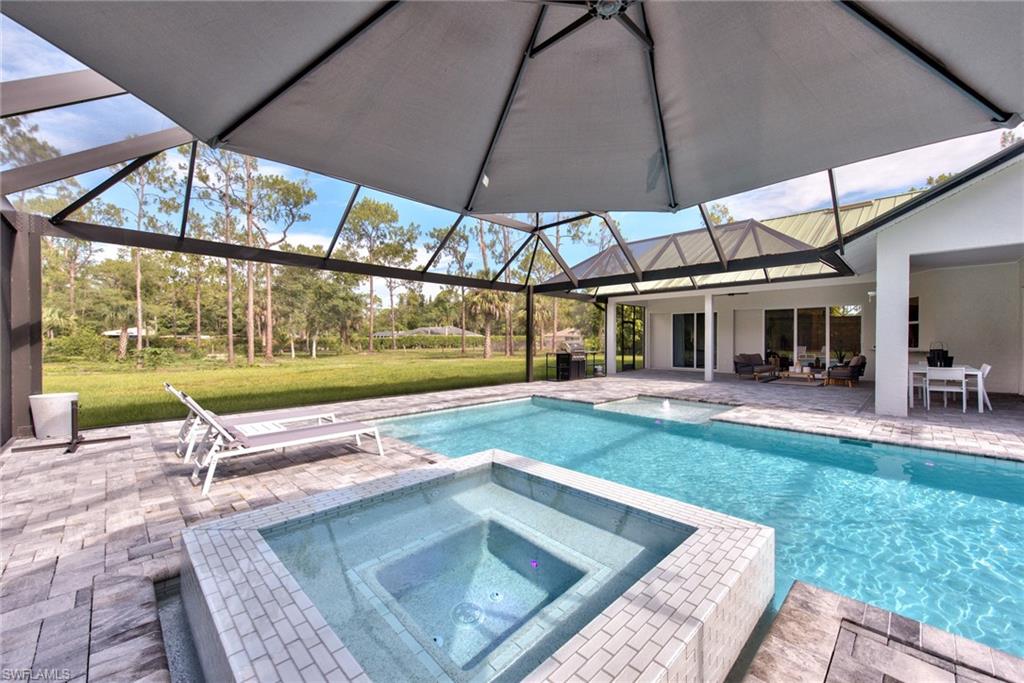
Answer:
[(305, 71), (659, 118), (342, 221), (52, 170), (504, 220), (626, 251), (835, 211), (563, 33), (922, 56), (29, 95), (603, 298), (563, 221), (559, 260), (714, 238), (443, 242), (114, 179), (515, 255), (836, 263), (187, 199), (189, 245), (752, 263), (533, 257), (506, 108)]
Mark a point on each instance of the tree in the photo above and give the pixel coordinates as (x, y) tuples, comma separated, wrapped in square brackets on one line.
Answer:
[(279, 202), (217, 175), (486, 303), (455, 257), (372, 225), (114, 299), (399, 251), (718, 214), (150, 186)]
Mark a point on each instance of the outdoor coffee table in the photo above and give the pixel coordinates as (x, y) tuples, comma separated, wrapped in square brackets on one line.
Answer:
[(808, 377)]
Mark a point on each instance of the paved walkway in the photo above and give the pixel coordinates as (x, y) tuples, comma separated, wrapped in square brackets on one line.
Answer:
[(83, 536)]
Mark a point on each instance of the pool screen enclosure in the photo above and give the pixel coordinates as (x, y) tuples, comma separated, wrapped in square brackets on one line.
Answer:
[(488, 109)]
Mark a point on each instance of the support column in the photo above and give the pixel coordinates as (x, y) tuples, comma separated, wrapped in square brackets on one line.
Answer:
[(529, 333), (22, 325), (892, 311), (709, 338), (609, 338)]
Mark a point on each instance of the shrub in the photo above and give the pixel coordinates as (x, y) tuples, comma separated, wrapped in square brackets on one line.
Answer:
[(153, 356), (80, 345)]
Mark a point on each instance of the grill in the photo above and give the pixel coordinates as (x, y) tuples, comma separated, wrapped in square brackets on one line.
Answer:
[(571, 361)]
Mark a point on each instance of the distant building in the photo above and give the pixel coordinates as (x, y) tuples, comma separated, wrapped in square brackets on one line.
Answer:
[(446, 331)]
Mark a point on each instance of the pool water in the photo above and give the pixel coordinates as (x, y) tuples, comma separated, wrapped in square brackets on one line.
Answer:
[(935, 536), (477, 576)]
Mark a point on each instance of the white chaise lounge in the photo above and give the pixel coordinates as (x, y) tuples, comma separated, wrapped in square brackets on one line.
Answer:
[(223, 439)]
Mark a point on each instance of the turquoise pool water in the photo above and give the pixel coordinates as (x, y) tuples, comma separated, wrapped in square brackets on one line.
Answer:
[(937, 537)]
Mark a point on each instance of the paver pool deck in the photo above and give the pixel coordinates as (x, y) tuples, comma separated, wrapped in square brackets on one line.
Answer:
[(83, 536)]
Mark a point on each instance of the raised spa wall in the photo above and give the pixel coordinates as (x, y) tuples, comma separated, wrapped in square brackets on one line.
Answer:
[(686, 620)]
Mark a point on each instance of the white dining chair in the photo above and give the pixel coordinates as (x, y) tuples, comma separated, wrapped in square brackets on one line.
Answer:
[(917, 381), (979, 385), (948, 381)]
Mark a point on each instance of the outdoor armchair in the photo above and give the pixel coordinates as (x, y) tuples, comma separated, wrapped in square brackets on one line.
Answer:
[(848, 373), (752, 364)]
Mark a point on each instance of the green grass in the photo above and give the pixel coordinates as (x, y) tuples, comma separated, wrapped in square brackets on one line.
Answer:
[(117, 394)]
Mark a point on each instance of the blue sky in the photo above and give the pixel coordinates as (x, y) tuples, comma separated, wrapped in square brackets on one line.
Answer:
[(71, 129)]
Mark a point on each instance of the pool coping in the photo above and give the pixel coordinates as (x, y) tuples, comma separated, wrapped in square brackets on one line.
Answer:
[(685, 620)]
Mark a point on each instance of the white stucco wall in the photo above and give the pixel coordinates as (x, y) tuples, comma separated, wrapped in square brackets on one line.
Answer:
[(976, 312), (985, 213)]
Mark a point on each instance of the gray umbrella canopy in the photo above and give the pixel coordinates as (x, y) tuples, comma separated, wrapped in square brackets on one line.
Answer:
[(444, 102)]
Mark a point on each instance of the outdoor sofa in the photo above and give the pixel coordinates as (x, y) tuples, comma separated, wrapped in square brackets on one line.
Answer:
[(849, 373), (753, 365)]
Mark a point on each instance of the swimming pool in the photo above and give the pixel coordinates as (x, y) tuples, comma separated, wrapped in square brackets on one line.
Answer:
[(935, 536)]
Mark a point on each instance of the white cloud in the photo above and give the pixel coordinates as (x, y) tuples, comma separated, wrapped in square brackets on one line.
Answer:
[(23, 54)]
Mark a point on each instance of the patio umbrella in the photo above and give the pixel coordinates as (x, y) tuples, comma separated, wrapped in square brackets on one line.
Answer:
[(558, 106)]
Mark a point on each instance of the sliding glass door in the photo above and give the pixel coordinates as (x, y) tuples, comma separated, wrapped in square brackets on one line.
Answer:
[(688, 340)]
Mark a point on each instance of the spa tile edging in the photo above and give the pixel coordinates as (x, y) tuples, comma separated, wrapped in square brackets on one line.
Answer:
[(685, 620)]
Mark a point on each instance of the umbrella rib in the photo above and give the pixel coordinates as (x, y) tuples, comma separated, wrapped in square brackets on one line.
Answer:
[(506, 108), (564, 33), (928, 60), (305, 71), (652, 81)]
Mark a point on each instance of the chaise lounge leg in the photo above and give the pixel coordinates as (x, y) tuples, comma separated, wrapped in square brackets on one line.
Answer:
[(209, 476), (376, 436)]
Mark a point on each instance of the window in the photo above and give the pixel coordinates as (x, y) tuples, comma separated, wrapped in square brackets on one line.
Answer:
[(778, 336), (630, 339), (810, 336), (688, 340), (844, 332), (914, 337)]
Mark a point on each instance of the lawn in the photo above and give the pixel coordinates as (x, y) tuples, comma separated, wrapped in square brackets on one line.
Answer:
[(117, 394)]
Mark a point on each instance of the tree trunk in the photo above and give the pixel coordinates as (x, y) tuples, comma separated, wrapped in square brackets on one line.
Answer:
[(394, 332), (462, 296), (313, 346), (268, 345), (291, 344), (487, 338), (72, 281), (122, 343), (554, 322), (138, 305), (231, 314), (199, 314), (371, 316), (250, 279), (509, 341)]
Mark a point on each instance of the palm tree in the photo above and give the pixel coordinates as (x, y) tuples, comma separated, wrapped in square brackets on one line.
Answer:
[(488, 304)]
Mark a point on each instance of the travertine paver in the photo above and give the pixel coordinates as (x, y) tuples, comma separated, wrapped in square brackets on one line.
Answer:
[(118, 508), (821, 636)]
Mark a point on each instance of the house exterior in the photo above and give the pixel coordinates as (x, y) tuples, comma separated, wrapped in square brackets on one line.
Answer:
[(948, 272)]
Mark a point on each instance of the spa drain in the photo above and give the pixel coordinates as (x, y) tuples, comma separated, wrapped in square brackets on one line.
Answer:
[(467, 614)]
